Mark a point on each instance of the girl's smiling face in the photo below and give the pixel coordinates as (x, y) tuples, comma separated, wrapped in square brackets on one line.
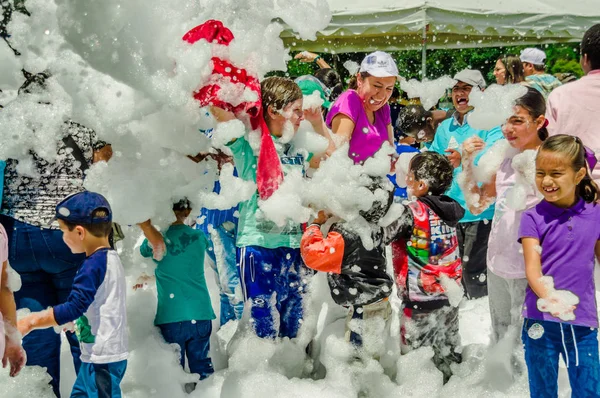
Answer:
[(556, 179), (375, 91), (521, 130)]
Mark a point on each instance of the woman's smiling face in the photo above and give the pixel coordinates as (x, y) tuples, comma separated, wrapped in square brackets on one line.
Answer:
[(375, 91)]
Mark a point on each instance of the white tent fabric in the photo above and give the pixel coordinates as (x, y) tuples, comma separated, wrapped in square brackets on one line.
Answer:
[(367, 25)]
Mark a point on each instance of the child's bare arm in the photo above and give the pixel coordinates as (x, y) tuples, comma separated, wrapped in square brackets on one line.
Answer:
[(8, 309), (597, 251), (478, 198), (37, 320), (533, 266)]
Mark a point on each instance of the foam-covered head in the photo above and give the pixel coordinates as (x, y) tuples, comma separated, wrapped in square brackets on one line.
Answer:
[(381, 204), (432, 169)]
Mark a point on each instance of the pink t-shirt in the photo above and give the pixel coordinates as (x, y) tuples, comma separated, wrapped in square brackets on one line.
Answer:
[(573, 109), (366, 138), (504, 255), (3, 258)]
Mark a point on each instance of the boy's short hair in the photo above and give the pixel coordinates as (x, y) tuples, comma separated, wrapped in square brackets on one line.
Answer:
[(182, 205), (434, 169), (98, 229)]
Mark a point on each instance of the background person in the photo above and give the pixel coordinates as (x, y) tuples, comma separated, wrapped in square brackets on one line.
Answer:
[(534, 61), (574, 108), (473, 230), (509, 70)]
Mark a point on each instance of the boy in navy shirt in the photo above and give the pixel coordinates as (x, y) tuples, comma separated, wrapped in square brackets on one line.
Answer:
[(97, 301)]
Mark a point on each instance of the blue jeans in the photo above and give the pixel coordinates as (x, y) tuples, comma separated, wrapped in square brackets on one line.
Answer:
[(224, 263), (96, 380), (194, 341), (47, 269), (274, 281), (545, 341)]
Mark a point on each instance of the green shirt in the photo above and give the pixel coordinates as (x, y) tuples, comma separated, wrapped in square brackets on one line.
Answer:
[(182, 291), (254, 229)]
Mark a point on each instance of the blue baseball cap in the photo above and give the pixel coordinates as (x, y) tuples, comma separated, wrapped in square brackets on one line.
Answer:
[(80, 207)]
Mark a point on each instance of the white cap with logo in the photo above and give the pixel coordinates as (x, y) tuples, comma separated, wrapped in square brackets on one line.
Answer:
[(533, 56), (379, 64), (472, 77)]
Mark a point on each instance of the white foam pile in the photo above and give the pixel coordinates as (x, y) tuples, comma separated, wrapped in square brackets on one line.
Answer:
[(494, 105), (122, 69), (429, 91)]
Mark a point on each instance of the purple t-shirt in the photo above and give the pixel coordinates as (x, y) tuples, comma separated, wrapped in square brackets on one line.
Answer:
[(568, 238), (366, 138)]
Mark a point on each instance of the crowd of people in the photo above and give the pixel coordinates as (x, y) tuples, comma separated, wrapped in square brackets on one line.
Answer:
[(526, 236)]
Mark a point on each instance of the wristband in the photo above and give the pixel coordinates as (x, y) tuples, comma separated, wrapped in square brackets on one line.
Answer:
[(318, 57)]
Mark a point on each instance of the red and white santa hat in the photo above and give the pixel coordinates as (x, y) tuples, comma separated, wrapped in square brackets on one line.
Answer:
[(268, 171)]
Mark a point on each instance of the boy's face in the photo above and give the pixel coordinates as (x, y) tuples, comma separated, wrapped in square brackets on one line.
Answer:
[(74, 238)]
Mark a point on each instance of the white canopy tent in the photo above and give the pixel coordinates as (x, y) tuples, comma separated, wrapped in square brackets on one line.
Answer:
[(390, 25)]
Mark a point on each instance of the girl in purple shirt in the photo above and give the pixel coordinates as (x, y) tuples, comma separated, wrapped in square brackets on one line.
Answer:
[(560, 238), (361, 115)]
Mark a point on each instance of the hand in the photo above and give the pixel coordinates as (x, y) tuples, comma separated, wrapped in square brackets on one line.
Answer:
[(306, 56), (322, 217), (221, 114), (155, 239), (142, 281), (472, 145), (14, 355), (314, 116), (454, 157)]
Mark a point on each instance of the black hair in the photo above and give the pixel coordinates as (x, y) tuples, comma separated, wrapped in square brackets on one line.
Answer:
[(182, 205), (433, 169), (533, 101), (332, 80), (411, 118), (99, 230), (514, 68), (590, 45), (573, 148), (379, 208), (539, 68)]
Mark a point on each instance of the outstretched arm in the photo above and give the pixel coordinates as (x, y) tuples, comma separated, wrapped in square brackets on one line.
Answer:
[(478, 198), (13, 352)]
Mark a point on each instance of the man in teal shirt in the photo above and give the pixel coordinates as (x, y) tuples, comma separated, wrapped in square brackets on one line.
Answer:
[(473, 231)]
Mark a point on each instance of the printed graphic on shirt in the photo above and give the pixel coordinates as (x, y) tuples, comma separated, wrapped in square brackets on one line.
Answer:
[(83, 330), (433, 250)]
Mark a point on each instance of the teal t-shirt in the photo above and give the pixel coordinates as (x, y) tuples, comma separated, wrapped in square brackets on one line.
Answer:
[(254, 229), (180, 281), (450, 134)]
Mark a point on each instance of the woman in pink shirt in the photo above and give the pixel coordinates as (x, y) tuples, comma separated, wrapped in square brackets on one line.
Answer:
[(11, 351), (361, 115), (513, 193)]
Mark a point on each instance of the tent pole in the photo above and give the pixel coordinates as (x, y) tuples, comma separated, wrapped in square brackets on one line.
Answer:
[(424, 52)]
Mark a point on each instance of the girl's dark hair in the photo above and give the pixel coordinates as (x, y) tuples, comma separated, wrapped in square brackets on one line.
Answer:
[(574, 150), (514, 68), (533, 101), (278, 92), (434, 169), (182, 205), (331, 79), (353, 83)]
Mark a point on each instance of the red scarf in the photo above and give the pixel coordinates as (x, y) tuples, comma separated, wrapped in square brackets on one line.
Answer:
[(268, 170)]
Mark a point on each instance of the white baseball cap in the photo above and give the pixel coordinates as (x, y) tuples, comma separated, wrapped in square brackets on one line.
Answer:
[(533, 56), (379, 64), (472, 77)]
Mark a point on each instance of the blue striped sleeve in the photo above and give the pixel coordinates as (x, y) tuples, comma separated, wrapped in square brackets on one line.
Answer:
[(86, 284)]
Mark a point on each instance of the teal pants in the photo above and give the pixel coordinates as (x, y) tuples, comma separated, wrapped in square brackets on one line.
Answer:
[(99, 380)]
